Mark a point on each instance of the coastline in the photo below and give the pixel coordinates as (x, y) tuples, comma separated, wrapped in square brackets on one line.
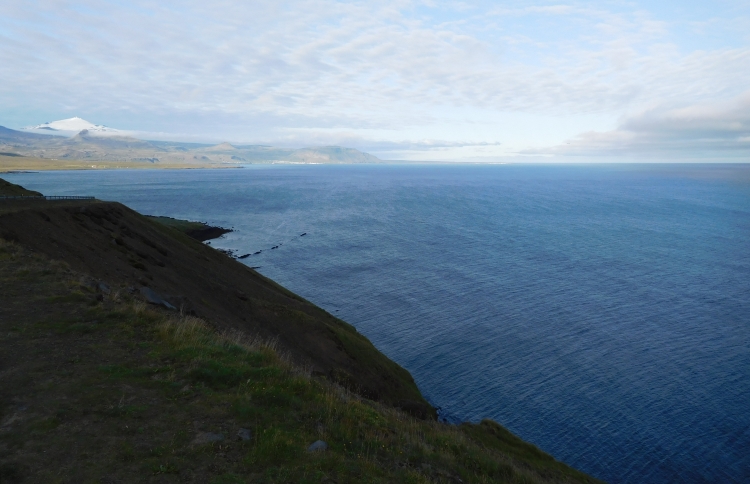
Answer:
[(151, 251), (200, 231)]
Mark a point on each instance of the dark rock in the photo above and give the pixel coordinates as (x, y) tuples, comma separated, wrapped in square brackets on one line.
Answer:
[(244, 434), (318, 446), (89, 283), (104, 289), (153, 298), (228, 252), (244, 256), (150, 295), (207, 438)]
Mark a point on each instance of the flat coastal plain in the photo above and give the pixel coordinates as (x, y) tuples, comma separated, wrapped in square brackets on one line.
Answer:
[(25, 163)]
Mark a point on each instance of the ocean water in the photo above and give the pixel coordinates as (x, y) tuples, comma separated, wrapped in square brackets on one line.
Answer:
[(599, 312)]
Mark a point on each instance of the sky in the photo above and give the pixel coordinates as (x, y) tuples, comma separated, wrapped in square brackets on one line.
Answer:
[(403, 80)]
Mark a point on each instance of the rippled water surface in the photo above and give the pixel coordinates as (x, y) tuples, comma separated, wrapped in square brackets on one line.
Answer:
[(602, 313)]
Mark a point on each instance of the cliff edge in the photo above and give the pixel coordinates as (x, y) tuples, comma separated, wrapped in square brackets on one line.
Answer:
[(134, 353)]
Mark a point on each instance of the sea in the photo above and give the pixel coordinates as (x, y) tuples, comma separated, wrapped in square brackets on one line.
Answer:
[(600, 312)]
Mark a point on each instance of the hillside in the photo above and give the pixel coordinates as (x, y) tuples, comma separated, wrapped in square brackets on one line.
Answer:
[(331, 154), (97, 385), (8, 189), (114, 244), (101, 144)]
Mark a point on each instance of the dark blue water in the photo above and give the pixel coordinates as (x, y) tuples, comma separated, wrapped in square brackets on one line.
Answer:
[(602, 313)]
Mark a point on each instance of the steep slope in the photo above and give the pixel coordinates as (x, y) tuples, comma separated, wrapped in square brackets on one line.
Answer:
[(12, 136), (123, 248), (96, 387), (13, 190)]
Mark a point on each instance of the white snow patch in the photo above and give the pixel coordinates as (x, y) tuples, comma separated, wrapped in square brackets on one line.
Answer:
[(72, 126)]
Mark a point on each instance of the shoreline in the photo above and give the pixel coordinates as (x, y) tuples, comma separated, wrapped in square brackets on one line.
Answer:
[(200, 231), (127, 257)]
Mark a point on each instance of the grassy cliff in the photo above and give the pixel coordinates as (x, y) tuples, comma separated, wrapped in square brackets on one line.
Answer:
[(115, 245), (198, 230), (96, 385), (13, 190)]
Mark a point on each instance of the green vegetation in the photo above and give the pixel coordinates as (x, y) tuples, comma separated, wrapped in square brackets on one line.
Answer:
[(111, 243), (100, 387), (197, 230), (183, 226), (11, 189)]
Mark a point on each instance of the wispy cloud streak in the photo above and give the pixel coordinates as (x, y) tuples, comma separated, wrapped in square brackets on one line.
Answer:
[(699, 130)]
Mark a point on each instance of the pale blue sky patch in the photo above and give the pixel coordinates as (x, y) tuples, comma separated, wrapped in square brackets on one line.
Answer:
[(405, 79)]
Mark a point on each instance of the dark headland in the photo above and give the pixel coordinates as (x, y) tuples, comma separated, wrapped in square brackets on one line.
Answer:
[(132, 352)]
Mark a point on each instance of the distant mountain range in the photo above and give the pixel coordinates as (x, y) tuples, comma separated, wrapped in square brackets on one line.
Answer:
[(78, 139), (72, 125)]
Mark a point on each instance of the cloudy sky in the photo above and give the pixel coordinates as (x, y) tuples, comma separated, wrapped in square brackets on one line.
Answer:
[(414, 80)]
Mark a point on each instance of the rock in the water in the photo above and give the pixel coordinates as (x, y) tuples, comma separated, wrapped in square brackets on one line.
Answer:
[(207, 438), (244, 434), (317, 446), (154, 298)]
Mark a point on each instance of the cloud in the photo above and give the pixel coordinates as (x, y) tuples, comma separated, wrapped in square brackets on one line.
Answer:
[(254, 70), (703, 130), (302, 138)]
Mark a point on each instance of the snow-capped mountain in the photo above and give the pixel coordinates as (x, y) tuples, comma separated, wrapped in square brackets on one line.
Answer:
[(71, 126)]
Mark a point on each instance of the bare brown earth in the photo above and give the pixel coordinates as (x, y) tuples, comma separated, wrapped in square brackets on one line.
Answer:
[(120, 247)]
